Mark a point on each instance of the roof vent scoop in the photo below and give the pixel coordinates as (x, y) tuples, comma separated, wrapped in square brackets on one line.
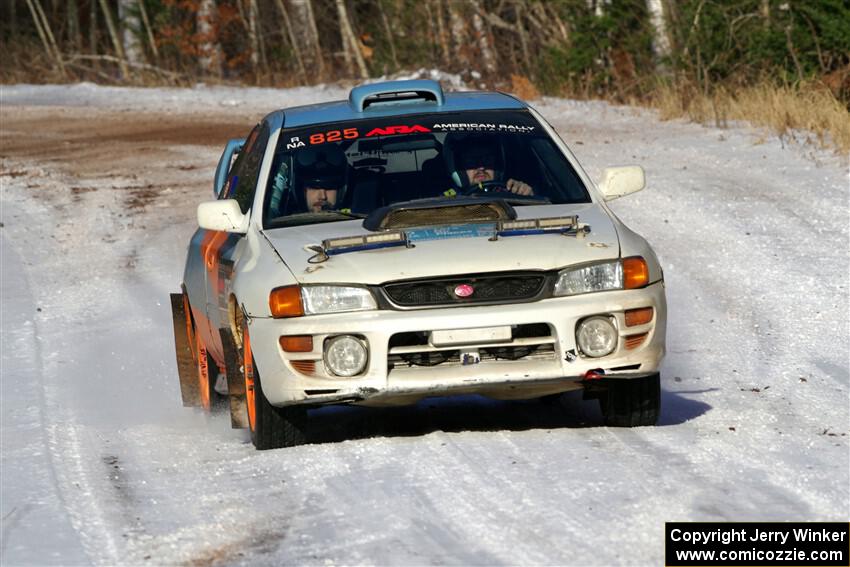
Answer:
[(395, 92)]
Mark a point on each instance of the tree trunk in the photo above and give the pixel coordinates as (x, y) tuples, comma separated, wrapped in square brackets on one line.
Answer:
[(660, 38), (290, 34), (459, 35), (40, 29), (13, 18), (519, 10), (482, 39), (116, 41), (442, 34), (389, 31), (148, 30), (73, 27), (307, 36), (350, 47), (128, 20), (253, 37), (93, 35), (46, 36), (210, 60)]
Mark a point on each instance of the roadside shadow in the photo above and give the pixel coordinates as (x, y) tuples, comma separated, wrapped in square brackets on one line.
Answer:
[(677, 409), (334, 424)]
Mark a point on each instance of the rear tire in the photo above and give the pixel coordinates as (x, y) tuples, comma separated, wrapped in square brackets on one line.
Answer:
[(631, 402)]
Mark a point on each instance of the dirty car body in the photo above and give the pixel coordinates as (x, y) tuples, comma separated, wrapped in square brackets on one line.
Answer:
[(409, 243)]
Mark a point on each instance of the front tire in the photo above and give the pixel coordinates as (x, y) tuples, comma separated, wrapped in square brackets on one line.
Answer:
[(631, 402), (271, 427)]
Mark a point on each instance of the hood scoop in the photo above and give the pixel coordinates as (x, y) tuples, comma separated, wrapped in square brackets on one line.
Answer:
[(434, 212)]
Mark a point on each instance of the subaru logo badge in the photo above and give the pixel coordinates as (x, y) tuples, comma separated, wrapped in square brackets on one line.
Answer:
[(464, 290)]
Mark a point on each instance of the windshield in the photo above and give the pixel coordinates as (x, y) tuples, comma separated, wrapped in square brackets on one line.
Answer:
[(337, 171)]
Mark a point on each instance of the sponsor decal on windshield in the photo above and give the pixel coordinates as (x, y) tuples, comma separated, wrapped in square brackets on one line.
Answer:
[(296, 142), (482, 127), (391, 130)]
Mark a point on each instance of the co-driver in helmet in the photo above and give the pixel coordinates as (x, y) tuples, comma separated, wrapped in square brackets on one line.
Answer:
[(478, 159)]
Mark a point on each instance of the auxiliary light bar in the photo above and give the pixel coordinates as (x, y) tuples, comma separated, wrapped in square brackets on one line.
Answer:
[(345, 244), (540, 226)]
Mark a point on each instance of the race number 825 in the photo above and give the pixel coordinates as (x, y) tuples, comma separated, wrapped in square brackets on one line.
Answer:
[(333, 136)]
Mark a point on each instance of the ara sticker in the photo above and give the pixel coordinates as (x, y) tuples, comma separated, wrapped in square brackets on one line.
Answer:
[(391, 130)]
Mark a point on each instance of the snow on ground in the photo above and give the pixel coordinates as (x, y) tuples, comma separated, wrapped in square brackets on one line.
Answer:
[(101, 465)]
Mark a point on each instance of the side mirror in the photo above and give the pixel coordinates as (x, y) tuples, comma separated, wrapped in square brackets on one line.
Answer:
[(232, 148), (224, 215), (621, 181)]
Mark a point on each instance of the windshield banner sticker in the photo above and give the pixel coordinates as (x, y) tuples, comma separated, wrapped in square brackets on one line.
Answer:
[(478, 127)]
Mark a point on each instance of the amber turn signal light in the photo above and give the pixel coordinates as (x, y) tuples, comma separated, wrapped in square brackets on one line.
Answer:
[(286, 302), (297, 343), (635, 272), (640, 316)]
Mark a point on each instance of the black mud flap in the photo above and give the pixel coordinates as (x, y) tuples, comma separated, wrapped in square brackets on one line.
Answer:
[(186, 367), (235, 381)]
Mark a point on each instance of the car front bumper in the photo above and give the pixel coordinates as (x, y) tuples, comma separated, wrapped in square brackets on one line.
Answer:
[(555, 366)]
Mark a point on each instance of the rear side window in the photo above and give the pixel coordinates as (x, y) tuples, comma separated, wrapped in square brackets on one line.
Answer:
[(242, 182)]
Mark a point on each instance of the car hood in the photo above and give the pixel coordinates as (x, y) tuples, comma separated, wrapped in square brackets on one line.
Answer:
[(439, 255)]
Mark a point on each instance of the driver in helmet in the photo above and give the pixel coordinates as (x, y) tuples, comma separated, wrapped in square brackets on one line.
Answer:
[(478, 161), (320, 173)]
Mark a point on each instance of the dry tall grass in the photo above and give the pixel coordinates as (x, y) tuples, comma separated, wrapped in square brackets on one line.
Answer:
[(786, 110)]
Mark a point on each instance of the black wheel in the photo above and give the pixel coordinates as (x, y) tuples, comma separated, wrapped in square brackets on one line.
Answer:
[(631, 402), (271, 427)]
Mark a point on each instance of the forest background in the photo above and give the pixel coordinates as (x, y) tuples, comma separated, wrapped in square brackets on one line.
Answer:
[(784, 64)]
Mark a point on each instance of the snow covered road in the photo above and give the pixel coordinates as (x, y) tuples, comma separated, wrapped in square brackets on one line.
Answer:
[(101, 464)]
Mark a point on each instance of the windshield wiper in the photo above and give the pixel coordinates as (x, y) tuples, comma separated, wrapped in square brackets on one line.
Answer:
[(313, 218)]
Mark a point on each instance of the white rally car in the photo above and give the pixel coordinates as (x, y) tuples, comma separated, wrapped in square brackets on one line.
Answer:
[(409, 243)]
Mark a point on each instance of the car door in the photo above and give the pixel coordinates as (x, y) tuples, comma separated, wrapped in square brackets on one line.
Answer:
[(219, 249)]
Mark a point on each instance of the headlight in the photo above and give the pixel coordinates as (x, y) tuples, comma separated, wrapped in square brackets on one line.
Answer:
[(336, 299), (596, 277), (596, 336), (345, 355)]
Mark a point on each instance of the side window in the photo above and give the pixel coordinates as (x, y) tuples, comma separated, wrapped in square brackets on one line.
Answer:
[(242, 182)]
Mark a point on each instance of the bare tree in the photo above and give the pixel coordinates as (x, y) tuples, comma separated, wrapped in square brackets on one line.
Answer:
[(460, 37), (210, 60), (128, 16), (307, 35), (290, 35), (72, 21), (148, 30), (116, 41), (482, 39), (442, 34), (660, 37), (45, 34), (350, 48)]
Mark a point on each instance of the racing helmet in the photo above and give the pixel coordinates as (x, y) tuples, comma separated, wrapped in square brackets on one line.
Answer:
[(319, 167), (463, 151)]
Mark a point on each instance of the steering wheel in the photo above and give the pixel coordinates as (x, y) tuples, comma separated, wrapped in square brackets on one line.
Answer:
[(487, 187)]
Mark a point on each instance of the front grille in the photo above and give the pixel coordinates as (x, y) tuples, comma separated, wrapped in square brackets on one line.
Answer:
[(498, 288), (529, 341)]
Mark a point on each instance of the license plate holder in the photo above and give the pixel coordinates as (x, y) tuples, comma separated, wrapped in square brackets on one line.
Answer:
[(481, 335)]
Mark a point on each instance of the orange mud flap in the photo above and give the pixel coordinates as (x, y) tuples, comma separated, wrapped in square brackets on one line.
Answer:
[(186, 368), (235, 381)]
